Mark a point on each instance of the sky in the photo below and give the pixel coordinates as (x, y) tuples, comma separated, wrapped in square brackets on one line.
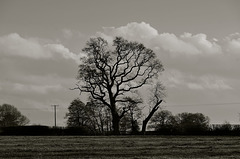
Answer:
[(198, 42)]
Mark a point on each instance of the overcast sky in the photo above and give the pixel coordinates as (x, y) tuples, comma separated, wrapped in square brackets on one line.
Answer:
[(198, 43)]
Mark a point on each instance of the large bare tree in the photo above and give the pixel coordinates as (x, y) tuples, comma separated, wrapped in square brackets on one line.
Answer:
[(111, 73)]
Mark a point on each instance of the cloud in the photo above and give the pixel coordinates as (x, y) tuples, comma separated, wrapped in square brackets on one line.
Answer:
[(64, 52), (177, 79), (232, 43), (175, 45), (186, 44), (35, 69), (41, 89), (211, 84), (215, 83), (200, 42), (132, 31), (16, 46)]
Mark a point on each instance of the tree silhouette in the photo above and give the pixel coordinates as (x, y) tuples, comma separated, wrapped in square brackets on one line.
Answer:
[(134, 112), (192, 122), (92, 116), (161, 119), (78, 114), (10, 116), (111, 73), (156, 98)]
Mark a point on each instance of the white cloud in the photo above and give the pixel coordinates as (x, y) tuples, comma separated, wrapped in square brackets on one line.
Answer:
[(14, 45), (215, 83), (173, 44), (34, 69), (232, 43), (42, 89), (176, 79), (207, 82), (64, 52), (200, 42), (186, 44), (132, 31)]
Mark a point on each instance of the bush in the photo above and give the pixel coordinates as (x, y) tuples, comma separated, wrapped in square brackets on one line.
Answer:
[(25, 130), (38, 130)]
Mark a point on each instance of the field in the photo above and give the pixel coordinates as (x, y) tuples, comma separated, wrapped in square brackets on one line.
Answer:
[(114, 147)]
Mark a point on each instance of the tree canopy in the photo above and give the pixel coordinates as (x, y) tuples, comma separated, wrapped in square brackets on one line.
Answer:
[(192, 122), (112, 73), (10, 116), (92, 116), (182, 123)]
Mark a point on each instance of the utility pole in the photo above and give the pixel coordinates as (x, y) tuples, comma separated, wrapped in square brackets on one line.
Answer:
[(55, 114)]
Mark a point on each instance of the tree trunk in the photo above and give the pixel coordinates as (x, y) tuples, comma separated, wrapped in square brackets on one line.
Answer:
[(144, 127), (115, 124), (145, 121)]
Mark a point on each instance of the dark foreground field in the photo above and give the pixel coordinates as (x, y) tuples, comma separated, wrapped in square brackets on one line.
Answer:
[(119, 147)]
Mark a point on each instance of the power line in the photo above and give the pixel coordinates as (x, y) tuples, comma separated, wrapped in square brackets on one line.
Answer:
[(43, 109), (204, 104), (193, 104)]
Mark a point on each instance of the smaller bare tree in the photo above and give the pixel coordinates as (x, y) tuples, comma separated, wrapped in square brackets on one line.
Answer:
[(156, 98), (134, 111)]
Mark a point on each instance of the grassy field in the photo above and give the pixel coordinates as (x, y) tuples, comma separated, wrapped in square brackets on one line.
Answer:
[(134, 147)]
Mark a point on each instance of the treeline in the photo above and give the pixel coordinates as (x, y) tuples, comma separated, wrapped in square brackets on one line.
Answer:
[(94, 118), (97, 120), (165, 123), (212, 130), (38, 130)]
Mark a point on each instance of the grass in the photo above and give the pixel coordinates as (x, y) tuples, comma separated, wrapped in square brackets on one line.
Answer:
[(119, 147)]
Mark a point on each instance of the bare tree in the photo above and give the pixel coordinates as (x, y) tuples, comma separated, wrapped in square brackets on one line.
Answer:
[(109, 75), (134, 112), (93, 116), (78, 114), (100, 115), (157, 95)]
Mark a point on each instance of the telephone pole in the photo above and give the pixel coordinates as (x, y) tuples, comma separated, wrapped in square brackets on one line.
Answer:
[(55, 114)]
